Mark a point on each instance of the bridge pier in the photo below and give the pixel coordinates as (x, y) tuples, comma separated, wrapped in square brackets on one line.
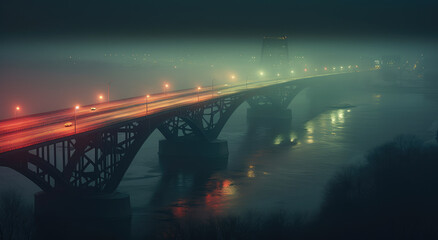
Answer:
[(269, 113), (63, 216), (193, 151)]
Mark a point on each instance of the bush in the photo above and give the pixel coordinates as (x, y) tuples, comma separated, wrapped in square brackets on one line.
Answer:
[(393, 196), (16, 218)]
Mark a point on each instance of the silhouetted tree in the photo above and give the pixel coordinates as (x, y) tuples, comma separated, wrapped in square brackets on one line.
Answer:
[(16, 218), (392, 196)]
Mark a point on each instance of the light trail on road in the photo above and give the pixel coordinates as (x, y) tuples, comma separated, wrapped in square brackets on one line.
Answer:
[(25, 131)]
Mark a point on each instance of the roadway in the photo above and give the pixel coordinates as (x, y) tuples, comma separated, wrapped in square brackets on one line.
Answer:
[(29, 130)]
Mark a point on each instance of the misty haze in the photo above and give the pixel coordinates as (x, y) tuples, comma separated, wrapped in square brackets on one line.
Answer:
[(118, 127)]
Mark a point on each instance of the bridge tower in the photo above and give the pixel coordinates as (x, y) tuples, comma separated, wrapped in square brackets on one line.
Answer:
[(273, 103), (275, 56)]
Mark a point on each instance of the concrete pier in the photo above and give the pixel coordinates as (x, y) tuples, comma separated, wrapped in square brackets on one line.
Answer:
[(267, 113), (198, 152), (193, 149)]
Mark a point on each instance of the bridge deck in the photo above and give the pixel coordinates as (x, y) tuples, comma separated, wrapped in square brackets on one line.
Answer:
[(39, 128)]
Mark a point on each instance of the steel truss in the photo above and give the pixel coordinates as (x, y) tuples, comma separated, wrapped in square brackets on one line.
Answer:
[(95, 162), (278, 97), (203, 122)]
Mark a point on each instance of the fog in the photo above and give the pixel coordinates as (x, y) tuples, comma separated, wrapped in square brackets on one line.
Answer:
[(44, 74), (348, 156)]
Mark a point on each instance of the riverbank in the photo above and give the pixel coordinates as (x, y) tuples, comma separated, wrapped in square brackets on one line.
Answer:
[(392, 196)]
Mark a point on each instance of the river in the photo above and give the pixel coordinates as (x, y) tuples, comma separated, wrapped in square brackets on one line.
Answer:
[(263, 173)]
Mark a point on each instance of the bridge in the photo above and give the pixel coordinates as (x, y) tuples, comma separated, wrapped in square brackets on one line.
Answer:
[(89, 149)]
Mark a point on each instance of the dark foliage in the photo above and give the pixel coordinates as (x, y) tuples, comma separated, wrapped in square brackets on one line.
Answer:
[(279, 225), (394, 195), (16, 218)]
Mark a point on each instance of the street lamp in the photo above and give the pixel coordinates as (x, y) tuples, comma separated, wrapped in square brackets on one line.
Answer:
[(100, 97), (109, 83), (166, 86), (199, 88), (147, 97), (76, 109), (17, 109), (212, 87)]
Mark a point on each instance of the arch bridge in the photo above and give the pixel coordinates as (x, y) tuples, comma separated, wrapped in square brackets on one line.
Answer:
[(94, 159)]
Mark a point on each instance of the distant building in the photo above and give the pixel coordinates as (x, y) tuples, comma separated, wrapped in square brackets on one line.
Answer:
[(275, 56), (419, 66), (391, 62)]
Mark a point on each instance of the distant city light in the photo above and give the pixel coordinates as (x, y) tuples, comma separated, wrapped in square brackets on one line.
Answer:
[(292, 71), (325, 68), (233, 76), (305, 69), (261, 73), (278, 74)]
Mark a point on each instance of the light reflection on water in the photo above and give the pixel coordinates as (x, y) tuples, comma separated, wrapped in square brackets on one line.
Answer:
[(264, 173)]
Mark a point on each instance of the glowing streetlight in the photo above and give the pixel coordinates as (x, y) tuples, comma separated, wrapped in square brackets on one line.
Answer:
[(76, 109), (212, 87), (261, 73), (292, 71), (199, 88), (325, 68), (305, 69), (108, 96), (147, 97), (166, 87), (100, 97), (17, 109), (233, 76)]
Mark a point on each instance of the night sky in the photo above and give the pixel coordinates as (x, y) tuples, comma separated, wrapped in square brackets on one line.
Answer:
[(343, 18)]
